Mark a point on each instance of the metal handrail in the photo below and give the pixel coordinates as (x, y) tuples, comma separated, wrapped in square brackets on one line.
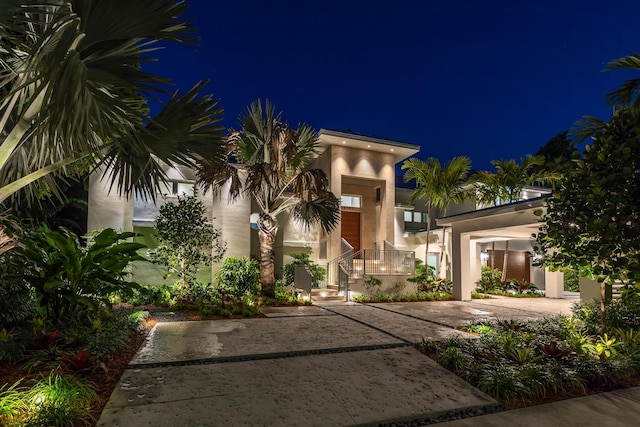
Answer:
[(369, 262)]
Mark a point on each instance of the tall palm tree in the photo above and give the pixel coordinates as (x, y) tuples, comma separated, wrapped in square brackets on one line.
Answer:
[(275, 159), (437, 185), (73, 89), (505, 185)]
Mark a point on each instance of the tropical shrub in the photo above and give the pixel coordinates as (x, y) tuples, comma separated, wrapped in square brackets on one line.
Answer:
[(238, 276), (371, 285), (436, 285), (489, 280), (302, 259), (17, 302), (619, 313), (70, 278), (423, 273)]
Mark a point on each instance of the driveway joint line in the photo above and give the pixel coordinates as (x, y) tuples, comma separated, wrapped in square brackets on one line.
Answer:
[(268, 356), (435, 322), (362, 322)]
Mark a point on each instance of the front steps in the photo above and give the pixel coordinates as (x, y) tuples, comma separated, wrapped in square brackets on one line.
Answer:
[(326, 294)]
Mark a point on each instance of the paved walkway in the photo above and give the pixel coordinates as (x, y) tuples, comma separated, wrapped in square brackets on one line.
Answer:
[(328, 365)]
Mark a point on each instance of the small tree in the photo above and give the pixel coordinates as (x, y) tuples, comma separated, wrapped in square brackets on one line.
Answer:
[(592, 222), (188, 239)]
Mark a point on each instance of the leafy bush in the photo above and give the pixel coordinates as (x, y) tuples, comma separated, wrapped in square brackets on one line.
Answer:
[(405, 297), (302, 259), (10, 348), (188, 239), (238, 276), (424, 273), (163, 296), (436, 285), (571, 280), (70, 279), (619, 313), (371, 285), (17, 302), (489, 280), (105, 334)]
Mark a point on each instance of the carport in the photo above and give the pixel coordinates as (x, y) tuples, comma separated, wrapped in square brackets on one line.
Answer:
[(472, 232)]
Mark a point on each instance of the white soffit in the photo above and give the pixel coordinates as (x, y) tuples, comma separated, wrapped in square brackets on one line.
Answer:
[(400, 150)]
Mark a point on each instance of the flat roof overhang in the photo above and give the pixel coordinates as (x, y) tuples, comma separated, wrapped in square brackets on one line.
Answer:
[(400, 150), (523, 205)]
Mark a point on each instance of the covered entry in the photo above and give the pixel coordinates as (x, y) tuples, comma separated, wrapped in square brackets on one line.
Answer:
[(474, 234)]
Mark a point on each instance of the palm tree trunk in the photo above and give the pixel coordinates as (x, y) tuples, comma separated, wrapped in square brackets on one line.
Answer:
[(505, 260), (267, 231), (426, 250), (493, 261), (443, 249)]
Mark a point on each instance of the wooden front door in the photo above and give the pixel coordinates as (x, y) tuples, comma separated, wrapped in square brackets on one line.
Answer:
[(517, 264), (350, 228)]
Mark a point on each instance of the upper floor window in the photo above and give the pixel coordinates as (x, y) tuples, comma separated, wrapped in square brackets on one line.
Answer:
[(175, 188), (414, 216), (350, 201)]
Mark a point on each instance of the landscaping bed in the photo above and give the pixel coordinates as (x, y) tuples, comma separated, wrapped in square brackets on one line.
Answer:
[(525, 363)]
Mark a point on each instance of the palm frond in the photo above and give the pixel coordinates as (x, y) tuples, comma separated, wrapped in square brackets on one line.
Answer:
[(586, 128), (324, 211), (183, 131)]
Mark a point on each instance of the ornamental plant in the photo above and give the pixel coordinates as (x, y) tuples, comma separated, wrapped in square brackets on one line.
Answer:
[(188, 239), (71, 277)]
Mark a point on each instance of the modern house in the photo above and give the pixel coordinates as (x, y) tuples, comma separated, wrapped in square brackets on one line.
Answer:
[(379, 233)]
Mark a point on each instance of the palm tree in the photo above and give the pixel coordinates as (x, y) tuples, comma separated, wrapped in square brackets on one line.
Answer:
[(438, 186), (627, 94), (73, 88), (275, 159), (505, 185)]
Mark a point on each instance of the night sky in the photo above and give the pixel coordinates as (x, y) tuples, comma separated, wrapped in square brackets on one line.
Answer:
[(487, 79)]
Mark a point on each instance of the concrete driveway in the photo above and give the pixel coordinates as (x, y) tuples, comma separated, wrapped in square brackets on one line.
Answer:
[(336, 364)]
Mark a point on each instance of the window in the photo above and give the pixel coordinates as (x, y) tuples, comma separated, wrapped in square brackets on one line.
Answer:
[(413, 216), (348, 201), (415, 221), (174, 188)]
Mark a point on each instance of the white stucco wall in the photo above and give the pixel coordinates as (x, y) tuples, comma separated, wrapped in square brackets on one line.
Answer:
[(107, 209)]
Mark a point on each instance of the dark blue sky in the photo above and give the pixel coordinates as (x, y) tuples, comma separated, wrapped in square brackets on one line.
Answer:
[(489, 79)]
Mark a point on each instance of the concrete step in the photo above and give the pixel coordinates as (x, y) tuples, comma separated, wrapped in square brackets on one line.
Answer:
[(324, 291), (327, 298), (326, 294)]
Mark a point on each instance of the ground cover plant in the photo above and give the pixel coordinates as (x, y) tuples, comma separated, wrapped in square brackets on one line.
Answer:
[(51, 375), (521, 363)]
